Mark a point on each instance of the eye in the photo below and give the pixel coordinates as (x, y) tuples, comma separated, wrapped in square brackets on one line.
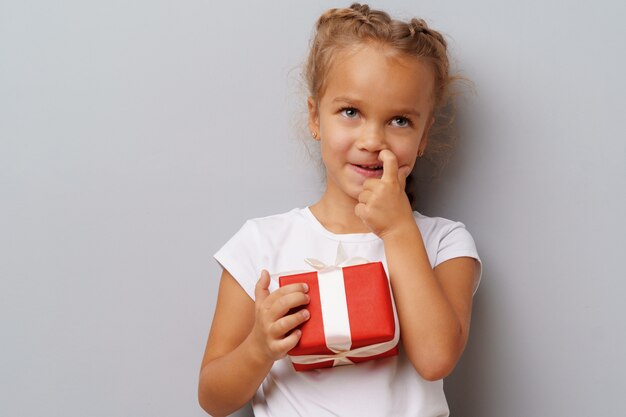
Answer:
[(349, 112), (400, 121)]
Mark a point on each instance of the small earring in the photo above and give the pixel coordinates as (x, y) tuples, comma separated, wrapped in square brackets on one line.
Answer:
[(314, 134), (420, 153)]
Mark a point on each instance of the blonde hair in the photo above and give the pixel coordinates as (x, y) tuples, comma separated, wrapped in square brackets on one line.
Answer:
[(343, 29)]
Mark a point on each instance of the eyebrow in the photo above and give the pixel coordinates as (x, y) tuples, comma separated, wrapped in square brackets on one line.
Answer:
[(358, 103)]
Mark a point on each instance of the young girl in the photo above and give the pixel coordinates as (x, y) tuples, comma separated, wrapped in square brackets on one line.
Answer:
[(375, 87)]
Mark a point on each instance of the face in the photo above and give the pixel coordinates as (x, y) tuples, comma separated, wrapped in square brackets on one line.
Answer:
[(373, 100)]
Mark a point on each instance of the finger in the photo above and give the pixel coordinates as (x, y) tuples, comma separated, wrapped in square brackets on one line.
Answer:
[(359, 210), (403, 174), (364, 196), (390, 165), (370, 183), (285, 303), (287, 289), (289, 342), (284, 325), (261, 289)]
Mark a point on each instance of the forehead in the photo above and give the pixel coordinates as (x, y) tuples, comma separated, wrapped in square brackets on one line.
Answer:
[(377, 73)]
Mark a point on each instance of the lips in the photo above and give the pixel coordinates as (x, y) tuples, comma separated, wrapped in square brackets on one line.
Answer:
[(368, 170)]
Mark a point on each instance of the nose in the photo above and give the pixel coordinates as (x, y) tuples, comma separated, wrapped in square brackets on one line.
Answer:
[(371, 139)]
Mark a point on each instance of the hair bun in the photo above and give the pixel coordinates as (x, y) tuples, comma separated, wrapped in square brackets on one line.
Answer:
[(417, 26), (364, 9)]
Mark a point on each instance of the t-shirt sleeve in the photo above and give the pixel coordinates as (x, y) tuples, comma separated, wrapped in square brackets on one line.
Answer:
[(457, 242), (241, 257)]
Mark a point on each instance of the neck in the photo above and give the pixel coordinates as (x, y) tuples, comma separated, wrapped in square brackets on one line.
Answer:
[(336, 213)]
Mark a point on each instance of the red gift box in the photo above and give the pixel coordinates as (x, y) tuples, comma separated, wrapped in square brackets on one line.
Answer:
[(352, 317)]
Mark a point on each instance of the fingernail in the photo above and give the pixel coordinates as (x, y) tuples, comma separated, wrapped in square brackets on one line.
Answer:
[(306, 314), (305, 287)]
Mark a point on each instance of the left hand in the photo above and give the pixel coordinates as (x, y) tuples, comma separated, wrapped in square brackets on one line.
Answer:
[(383, 204)]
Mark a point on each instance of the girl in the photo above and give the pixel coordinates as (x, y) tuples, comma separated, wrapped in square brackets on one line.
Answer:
[(375, 86)]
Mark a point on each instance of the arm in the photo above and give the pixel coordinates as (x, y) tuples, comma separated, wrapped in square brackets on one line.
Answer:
[(434, 305), (246, 338)]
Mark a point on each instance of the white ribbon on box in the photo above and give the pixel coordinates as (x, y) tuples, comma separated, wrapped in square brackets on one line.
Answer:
[(335, 315)]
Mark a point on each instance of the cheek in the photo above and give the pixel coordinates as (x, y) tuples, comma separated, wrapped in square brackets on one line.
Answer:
[(337, 138), (334, 152), (406, 152)]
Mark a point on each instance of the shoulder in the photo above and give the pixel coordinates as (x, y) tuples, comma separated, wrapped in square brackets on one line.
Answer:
[(276, 220), (445, 239), (254, 244), (270, 232), (276, 224), (435, 226)]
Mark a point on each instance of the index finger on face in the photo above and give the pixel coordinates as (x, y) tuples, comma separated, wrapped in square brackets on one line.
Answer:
[(390, 165)]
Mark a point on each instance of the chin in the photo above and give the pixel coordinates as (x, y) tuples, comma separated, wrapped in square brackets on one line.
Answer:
[(354, 194)]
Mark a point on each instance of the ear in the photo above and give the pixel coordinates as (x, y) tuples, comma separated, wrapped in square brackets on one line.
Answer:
[(424, 140), (314, 119)]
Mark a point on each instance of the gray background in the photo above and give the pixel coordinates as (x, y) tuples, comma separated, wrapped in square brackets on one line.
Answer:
[(137, 136)]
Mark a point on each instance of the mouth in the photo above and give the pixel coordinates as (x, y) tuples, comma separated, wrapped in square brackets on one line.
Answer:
[(369, 170), (370, 167)]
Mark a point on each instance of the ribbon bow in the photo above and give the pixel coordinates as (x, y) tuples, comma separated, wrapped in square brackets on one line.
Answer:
[(340, 261)]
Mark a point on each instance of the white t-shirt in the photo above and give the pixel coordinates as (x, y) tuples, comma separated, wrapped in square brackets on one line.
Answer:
[(384, 387)]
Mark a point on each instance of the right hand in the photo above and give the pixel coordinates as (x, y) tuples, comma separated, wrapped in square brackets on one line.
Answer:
[(272, 324)]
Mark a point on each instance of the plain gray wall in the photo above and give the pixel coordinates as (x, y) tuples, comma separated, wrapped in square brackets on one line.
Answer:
[(137, 136)]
